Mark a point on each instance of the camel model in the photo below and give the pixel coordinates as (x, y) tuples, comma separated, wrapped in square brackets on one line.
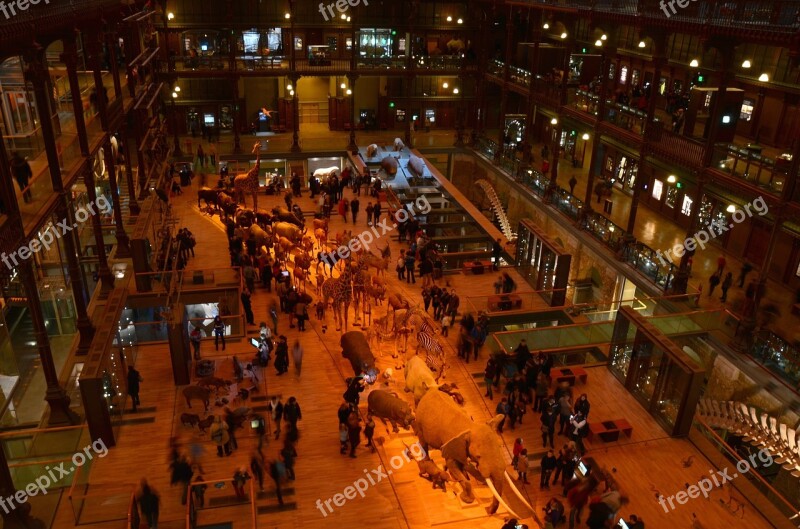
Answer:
[(248, 182)]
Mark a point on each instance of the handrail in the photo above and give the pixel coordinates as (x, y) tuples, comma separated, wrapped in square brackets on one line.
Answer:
[(44, 430), (253, 512), (133, 513)]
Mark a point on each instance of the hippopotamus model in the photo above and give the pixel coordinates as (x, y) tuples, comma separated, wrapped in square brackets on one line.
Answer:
[(416, 164), (389, 164), (355, 348), (388, 406)]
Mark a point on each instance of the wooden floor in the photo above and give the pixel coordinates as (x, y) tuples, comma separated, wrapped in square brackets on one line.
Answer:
[(645, 463)]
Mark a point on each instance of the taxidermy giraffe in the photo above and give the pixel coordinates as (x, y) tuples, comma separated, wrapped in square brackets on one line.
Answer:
[(248, 182)]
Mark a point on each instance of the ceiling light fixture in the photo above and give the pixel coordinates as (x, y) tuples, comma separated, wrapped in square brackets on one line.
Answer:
[(598, 43), (445, 85), (449, 19), (746, 64), (546, 26), (585, 136), (763, 78), (349, 92), (672, 179), (177, 88), (731, 209), (564, 35), (289, 87), (455, 90), (642, 44), (695, 63), (342, 86), (170, 16), (554, 121), (460, 20), (603, 36), (287, 16)]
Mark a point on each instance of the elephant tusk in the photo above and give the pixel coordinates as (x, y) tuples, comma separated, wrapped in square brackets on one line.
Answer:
[(517, 492), (499, 499)]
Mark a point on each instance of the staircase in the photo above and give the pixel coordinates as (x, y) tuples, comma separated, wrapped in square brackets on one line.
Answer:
[(497, 207)]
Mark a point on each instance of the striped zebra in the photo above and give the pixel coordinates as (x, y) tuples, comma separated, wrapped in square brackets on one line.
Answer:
[(434, 353), (421, 323)]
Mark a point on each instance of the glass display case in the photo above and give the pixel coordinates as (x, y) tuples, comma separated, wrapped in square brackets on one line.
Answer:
[(663, 377), (319, 56), (543, 263), (375, 43)]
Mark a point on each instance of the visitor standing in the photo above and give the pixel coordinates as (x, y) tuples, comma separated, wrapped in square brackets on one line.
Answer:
[(134, 379)]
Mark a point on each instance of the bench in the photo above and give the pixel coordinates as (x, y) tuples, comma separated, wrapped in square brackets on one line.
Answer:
[(504, 302), (608, 431), (476, 267), (570, 375)]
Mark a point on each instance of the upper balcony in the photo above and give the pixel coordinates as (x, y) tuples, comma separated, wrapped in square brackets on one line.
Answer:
[(720, 16)]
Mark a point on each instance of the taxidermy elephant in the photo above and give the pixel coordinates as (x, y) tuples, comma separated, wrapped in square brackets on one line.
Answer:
[(468, 447), (388, 406), (355, 348), (419, 380), (389, 165)]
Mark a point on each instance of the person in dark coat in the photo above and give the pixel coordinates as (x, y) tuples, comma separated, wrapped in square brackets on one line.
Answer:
[(277, 471), (149, 501), (353, 432), (548, 465), (291, 412), (282, 356), (247, 306), (134, 379), (22, 172), (354, 206), (257, 467), (522, 355), (582, 405), (182, 475)]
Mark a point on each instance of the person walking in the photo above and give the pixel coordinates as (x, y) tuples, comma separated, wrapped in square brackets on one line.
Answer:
[(721, 262), (182, 475), (503, 409), (273, 313), (277, 471), (726, 284), (376, 212), (548, 465), (542, 389), (400, 267), (22, 172), (199, 491), (282, 356), (713, 281), (354, 206), (370, 211), (219, 332), (292, 413), (276, 410), (134, 379), (257, 468), (220, 436), (288, 453), (746, 269), (342, 438), (297, 355), (572, 183), (564, 414), (344, 205), (247, 306), (149, 503), (497, 250), (240, 478)]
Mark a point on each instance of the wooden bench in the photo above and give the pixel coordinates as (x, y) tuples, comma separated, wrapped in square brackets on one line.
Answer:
[(608, 431), (570, 374), (504, 302), (477, 267)]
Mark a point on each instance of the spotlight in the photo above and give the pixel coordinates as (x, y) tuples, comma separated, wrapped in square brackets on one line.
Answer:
[(287, 16), (546, 26), (449, 19), (731, 209), (445, 85), (455, 90), (344, 17), (174, 94), (763, 78), (289, 87), (695, 63), (585, 136), (348, 19), (349, 92), (177, 89), (554, 121), (598, 43), (746, 64), (342, 86), (603, 36), (460, 21), (170, 16), (564, 35), (642, 44), (672, 179), (291, 93)]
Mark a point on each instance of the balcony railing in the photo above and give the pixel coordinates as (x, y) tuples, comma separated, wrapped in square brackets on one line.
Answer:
[(748, 164), (675, 147)]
